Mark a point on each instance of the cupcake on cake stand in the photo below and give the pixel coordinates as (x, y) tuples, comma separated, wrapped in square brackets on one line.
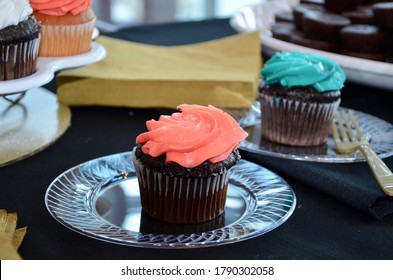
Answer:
[(30, 116)]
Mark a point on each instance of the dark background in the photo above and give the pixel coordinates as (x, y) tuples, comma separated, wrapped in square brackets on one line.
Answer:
[(321, 227)]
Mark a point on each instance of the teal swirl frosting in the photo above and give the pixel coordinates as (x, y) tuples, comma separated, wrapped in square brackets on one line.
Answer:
[(293, 69)]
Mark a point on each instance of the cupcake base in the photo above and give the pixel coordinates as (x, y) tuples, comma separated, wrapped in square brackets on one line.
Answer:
[(296, 122), (65, 40), (18, 60), (150, 225), (66, 35), (181, 200), (19, 49)]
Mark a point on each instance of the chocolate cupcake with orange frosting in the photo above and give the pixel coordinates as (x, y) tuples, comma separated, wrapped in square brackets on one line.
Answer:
[(183, 163), (67, 26)]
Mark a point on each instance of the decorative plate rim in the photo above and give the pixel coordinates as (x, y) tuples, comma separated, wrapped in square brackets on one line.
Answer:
[(69, 200)]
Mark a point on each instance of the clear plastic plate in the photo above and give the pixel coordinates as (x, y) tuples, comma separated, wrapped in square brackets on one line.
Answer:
[(377, 131), (100, 199)]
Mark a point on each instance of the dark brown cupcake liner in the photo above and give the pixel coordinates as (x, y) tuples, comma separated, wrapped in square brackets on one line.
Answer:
[(181, 200), (151, 225), (296, 123), (18, 60)]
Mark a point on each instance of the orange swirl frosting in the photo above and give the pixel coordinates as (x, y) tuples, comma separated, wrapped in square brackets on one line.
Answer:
[(60, 7), (196, 134)]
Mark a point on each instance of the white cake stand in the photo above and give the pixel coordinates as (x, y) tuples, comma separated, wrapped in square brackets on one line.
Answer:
[(30, 117)]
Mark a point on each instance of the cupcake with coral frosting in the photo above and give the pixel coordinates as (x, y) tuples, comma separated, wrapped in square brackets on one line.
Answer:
[(67, 26), (299, 95), (19, 39), (183, 163)]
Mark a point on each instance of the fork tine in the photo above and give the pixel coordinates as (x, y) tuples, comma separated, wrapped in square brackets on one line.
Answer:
[(344, 136), (349, 127), (355, 123), (381, 172)]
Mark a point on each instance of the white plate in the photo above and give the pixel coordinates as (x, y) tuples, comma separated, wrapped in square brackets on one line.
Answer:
[(100, 199), (47, 66), (260, 18)]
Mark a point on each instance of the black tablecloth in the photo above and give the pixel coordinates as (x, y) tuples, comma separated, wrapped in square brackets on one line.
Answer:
[(321, 227)]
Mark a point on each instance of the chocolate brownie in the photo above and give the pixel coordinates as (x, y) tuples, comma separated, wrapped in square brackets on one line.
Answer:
[(299, 39), (284, 17), (384, 15), (341, 5), (284, 31), (361, 15), (300, 10), (323, 26), (363, 38)]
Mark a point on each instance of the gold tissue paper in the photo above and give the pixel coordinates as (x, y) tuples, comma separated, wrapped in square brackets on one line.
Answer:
[(10, 236), (222, 72)]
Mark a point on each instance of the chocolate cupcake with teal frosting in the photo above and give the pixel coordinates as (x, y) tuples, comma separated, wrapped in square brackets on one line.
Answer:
[(299, 95)]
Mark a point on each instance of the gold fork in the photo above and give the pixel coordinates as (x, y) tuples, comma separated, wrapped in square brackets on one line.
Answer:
[(349, 143)]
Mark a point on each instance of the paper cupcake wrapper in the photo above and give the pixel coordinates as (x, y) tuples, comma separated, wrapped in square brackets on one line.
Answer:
[(150, 225), (181, 200), (296, 123), (66, 40), (18, 61)]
